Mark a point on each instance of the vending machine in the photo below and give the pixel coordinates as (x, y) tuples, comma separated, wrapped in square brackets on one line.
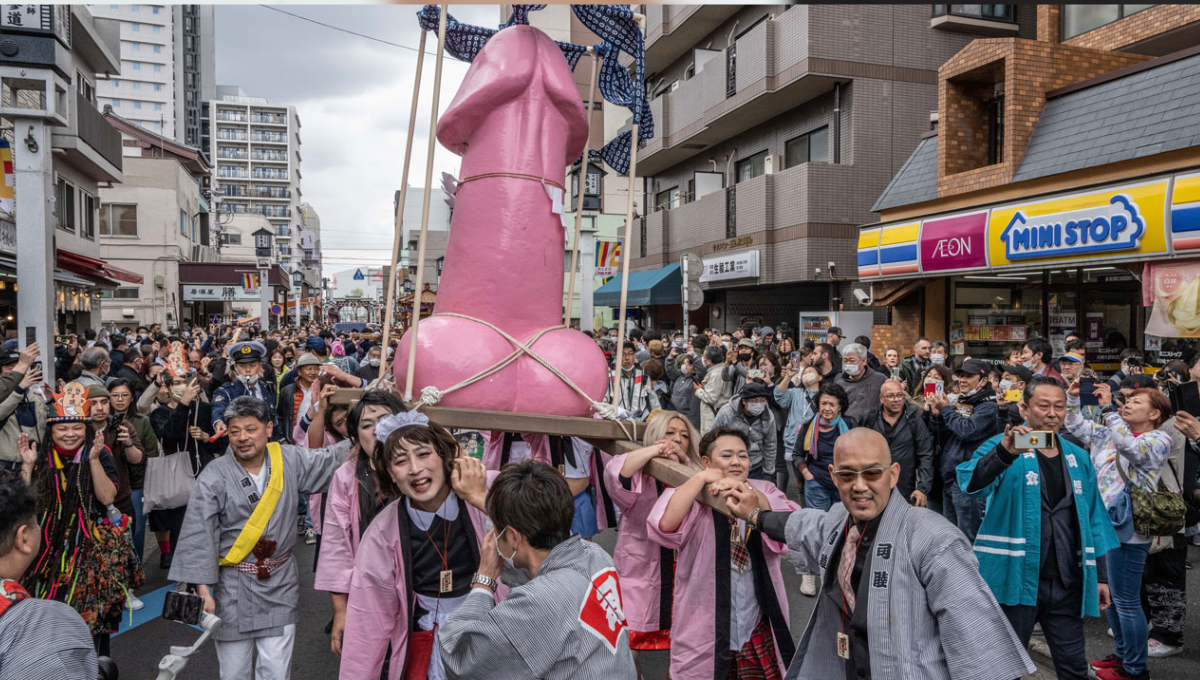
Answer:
[(815, 325)]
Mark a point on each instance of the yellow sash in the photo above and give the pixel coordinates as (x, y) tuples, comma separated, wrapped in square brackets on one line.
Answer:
[(262, 512)]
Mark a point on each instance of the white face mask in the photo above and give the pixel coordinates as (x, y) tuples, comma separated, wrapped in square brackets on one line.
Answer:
[(756, 409), (851, 369), (952, 398), (1031, 364), (937, 359), (373, 363), (728, 346), (508, 561), (1006, 385), (248, 380)]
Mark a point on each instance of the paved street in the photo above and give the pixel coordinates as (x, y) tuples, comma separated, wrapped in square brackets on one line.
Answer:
[(138, 651)]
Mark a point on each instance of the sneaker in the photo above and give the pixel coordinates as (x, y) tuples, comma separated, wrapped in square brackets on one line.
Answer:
[(134, 603), (310, 537), (808, 585), (1110, 661), (164, 560), (1110, 632), (300, 526), (1119, 673), (1161, 649), (1037, 630)]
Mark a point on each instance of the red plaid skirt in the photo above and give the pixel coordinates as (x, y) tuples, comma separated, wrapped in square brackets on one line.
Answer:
[(649, 642), (757, 659)]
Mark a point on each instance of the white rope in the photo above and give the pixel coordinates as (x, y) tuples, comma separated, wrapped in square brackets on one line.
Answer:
[(431, 395)]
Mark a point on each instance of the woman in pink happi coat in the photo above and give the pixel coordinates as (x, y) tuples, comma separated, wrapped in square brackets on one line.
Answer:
[(415, 562), (647, 569), (723, 626), (327, 428), (353, 500), (502, 448)]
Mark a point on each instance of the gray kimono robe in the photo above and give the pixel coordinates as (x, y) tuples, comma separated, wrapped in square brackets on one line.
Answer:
[(930, 614), (565, 624), (217, 510)]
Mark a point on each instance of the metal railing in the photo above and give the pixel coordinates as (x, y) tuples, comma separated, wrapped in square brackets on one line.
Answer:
[(988, 12), (93, 128)]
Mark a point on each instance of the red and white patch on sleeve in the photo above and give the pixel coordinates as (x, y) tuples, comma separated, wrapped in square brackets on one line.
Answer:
[(602, 612)]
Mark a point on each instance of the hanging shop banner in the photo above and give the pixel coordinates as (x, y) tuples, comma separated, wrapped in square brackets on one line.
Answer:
[(954, 243), (1175, 287), (733, 266), (1118, 223), (608, 258)]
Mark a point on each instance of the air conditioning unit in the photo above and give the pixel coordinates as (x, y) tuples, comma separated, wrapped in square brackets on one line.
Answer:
[(127, 312), (160, 282), (769, 163)]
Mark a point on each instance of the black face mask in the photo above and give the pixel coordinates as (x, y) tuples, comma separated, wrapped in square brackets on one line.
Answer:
[(745, 357)]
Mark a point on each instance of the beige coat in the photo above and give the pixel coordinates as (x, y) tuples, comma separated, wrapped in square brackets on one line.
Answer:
[(714, 393)]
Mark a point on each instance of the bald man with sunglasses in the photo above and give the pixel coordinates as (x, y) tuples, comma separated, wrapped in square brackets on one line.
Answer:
[(882, 560)]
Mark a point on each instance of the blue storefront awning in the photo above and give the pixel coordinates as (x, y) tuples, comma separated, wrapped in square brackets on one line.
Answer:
[(648, 288)]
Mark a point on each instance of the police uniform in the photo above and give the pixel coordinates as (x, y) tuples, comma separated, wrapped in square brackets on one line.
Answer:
[(245, 353)]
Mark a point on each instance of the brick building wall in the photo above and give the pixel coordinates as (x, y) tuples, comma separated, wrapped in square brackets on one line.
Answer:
[(1030, 69), (1133, 28)]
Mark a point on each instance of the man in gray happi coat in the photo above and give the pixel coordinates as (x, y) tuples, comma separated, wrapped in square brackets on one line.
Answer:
[(566, 623), (901, 595), (255, 594)]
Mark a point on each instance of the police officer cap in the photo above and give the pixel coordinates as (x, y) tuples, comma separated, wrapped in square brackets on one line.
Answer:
[(247, 352)]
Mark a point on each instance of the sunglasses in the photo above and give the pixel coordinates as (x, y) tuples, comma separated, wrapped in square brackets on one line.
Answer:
[(849, 476)]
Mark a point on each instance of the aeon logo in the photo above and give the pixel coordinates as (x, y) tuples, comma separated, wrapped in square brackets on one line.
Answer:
[(1116, 226)]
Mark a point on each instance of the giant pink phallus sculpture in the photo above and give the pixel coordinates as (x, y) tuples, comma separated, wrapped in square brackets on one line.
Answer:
[(517, 118)]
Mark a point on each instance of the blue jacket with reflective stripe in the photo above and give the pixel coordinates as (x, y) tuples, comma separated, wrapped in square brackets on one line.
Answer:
[(1008, 545)]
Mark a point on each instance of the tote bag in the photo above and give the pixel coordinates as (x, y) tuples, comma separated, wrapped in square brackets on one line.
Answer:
[(169, 479)]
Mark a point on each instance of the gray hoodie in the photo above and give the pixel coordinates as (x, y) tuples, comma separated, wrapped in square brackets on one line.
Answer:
[(760, 431)]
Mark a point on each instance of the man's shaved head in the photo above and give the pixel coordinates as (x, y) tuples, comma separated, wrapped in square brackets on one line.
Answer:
[(859, 450)]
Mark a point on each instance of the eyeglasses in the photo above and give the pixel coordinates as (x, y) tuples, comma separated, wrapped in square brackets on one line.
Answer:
[(850, 476)]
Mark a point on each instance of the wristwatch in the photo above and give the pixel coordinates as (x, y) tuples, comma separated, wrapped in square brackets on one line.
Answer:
[(486, 581)]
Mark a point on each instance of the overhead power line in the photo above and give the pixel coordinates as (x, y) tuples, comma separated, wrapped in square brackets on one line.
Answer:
[(346, 30)]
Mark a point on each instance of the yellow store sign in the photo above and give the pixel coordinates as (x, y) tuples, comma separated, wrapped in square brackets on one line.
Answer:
[(1117, 223)]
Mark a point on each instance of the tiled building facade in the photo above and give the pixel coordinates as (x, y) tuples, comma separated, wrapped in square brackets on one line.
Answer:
[(800, 116)]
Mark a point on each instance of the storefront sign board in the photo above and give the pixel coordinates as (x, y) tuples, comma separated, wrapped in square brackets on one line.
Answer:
[(954, 243), (1123, 221), (1185, 213), (214, 293), (733, 266)]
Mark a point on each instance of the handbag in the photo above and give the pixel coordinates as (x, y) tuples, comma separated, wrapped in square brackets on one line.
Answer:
[(420, 653), (169, 479), (1155, 513)]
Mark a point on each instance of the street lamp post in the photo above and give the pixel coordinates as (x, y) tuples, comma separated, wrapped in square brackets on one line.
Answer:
[(262, 253), (297, 291)]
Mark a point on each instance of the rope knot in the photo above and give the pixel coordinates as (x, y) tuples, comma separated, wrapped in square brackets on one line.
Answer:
[(430, 396)]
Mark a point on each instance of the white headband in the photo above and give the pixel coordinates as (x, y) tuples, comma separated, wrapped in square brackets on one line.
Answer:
[(384, 428)]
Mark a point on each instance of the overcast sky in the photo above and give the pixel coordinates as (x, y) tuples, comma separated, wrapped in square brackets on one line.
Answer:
[(353, 96)]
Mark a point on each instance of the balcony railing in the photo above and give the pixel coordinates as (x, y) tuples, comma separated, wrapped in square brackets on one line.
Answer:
[(264, 192), (232, 137), (232, 173), (269, 119), (280, 156), (267, 174), (236, 154), (231, 117), (228, 190), (273, 212), (95, 129), (277, 138)]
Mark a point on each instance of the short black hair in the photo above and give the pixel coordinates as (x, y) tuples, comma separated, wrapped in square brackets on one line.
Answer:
[(635, 333), (18, 508), (1075, 343), (1040, 346), (715, 354), (827, 349), (1131, 353), (863, 340), (710, 437), (834, 390), (836, 331), (534, 499), (1040, 381)]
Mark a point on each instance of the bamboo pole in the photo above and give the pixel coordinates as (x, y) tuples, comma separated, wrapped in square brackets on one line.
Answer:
[(419, 288), (625, 250), (397, 235), (587, 107)]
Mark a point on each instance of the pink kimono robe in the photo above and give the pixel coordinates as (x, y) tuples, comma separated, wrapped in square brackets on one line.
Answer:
[(339, 539), (647, 569), (314, 501), (700, 649), (493, 449), (378, 608)]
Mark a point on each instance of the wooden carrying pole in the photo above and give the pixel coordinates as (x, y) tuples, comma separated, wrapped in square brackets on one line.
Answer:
[(396, 236), (587, 108), (625, 250), (433, 120)]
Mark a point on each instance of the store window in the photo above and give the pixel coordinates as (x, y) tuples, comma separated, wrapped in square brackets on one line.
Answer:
[(1079, 19), (87, 215), (118, 220), (811, 147), (752, 167), (129, 293)]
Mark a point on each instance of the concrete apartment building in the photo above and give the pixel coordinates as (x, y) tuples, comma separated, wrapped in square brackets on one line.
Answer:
[(776, 129), (151, 222), (1092, 122), (54, 55), (310, 245), (255, 146), (438, 234), (168, 68)]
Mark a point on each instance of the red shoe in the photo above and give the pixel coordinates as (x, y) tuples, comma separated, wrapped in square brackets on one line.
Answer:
[(1110, 661), (1119, 673)]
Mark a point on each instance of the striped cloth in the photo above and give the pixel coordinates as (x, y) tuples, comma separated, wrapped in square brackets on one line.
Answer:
[(45, 640), (756, 660)]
